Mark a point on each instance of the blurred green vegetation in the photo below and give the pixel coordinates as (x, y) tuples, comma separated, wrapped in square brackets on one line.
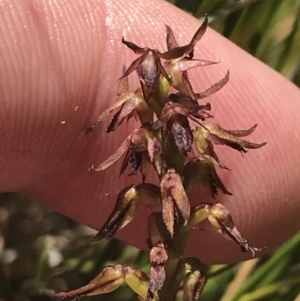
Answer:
[(42, 252), (268, 29)]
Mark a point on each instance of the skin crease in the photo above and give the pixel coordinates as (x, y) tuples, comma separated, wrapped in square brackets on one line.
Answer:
[(59, 55)]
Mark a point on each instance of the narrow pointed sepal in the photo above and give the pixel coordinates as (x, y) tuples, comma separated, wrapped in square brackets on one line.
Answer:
[(110, 278), (222, 220), (139, 142), (231, 138), (214, 88), (120, 101), (194, 280), (115, 156), (134, 104), (202, 173), (128, 202), (123, 96), (187, 64)]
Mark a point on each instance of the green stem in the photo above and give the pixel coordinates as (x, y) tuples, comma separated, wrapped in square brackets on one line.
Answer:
[(175, 253)]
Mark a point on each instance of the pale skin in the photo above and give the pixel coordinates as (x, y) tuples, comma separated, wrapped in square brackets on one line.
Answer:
[(59, 64)]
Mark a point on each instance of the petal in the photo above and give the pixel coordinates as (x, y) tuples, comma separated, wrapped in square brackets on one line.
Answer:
[(181, 133), (149, 71), (202, 173), (221, 219), (134, 65), (153, 146), (214, 88), (127, 108), (195, 279), (180, 82), (166, 113), (176, 53), (171, 40), (180, 109), (122, 99), (115, 156), (173, 192), (107, 281), (200, 32), (186, 64), (128, 203), (221, 136), (136, 49), (158, 258), (168, 212), (123, 86), (242, 133)]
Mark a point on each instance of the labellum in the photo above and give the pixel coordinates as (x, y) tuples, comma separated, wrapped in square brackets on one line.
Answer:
[(181, 132), (231, 138)]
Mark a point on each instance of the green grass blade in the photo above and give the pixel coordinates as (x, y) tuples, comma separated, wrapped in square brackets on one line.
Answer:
[(274, 267)]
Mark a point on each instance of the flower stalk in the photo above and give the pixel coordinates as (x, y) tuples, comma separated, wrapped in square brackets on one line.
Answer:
[(174, 138)]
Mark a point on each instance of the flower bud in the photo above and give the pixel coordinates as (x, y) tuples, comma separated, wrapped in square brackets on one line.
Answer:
[(158, 258), (202, 173), (195, 279), (174, 200), (178, 66), (221, 219), (128, 203), (110, 278), (209, 134)]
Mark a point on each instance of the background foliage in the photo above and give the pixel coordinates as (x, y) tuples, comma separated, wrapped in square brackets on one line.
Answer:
[(42, 251)]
